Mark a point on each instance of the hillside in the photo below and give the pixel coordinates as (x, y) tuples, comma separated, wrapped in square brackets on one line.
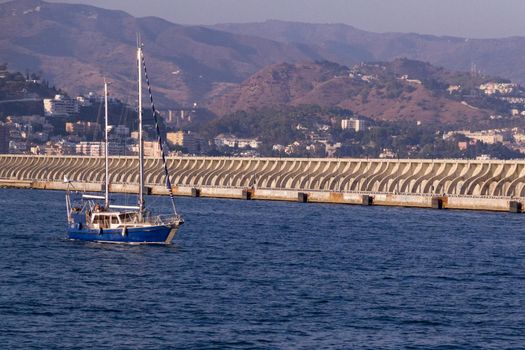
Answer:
[(377, 91), (76, 46), (348, 45), (22, 94)]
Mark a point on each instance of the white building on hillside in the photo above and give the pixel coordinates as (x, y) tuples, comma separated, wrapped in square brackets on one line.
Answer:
[(232, 141), (500, 88), (352, 123), (97, 149), (61, 106)]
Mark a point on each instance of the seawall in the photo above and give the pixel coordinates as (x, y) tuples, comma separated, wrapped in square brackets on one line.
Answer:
[(441, 184)]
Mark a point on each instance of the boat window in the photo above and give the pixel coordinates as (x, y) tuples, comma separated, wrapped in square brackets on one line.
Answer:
[(104, 221), (126, 217)]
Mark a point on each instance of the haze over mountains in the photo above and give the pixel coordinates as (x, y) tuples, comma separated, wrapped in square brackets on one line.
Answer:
[(75, 46), (348, 45)]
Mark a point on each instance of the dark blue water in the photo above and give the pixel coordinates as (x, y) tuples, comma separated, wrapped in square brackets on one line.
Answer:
[(265, 275)]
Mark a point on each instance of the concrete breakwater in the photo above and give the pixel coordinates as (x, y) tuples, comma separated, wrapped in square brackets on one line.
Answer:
[(457, 184)]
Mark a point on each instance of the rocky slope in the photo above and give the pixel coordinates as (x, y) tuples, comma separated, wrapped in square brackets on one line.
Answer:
[(378, 91)]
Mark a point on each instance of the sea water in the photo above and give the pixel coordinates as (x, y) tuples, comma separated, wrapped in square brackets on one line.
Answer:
[(265, 275)]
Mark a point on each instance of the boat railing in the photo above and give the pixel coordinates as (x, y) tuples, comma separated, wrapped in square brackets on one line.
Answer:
[(165, 219)]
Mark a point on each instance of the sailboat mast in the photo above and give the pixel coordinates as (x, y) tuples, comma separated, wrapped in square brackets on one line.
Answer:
[(141, 137), (106, 146)]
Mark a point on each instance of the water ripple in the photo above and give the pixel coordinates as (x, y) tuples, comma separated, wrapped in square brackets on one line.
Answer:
[(265, 275)]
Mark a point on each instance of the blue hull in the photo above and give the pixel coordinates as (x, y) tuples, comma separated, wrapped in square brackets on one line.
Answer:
[(148, 235)]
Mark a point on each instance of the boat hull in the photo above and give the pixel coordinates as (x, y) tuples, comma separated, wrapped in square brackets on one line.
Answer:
[(141, 235)]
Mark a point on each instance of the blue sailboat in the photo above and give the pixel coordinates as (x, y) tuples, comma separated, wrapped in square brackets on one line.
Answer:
[(95, 218)]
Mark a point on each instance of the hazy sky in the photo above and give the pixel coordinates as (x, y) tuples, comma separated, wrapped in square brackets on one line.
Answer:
[(468, 18)]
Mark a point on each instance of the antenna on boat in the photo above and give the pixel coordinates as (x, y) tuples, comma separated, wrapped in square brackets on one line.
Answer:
[(106, 146)]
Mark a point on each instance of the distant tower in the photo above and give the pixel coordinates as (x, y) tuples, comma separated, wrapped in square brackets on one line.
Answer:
[(474, 76), (474, 70)]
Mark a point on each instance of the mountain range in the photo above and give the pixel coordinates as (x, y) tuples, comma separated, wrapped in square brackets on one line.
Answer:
[(348, 45), (77, 46)]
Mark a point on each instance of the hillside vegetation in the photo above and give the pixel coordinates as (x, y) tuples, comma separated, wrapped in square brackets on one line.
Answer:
[(401, 90)]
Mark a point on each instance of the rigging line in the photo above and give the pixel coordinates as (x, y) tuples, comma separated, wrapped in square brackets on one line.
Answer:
[(159, 138)]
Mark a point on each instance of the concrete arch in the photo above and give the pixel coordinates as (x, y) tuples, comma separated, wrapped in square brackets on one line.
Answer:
[(150, 164), (492, 179), (300, 182), (225, 177), (339, 174), (394, 183), (371, 169), (6, 164), (265, 174), (191, 168), (327, 178), (60, 169), (456, 184), (301, 169), (206, 173), (23, 170), (215, 167), (130, 169), (408, 185), (271, 182), (503, 184), (287, 173), (373, 183), (238, 177), (480, 170), (324, 178), (454, 171), (386, 181), (178, 173), (511, 190), (474, 189), (422, 181), (154, 166), (15, 168), (432, 181), (96, 170), (346, 182), (252, 177), (197, 175), (173, 165)]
